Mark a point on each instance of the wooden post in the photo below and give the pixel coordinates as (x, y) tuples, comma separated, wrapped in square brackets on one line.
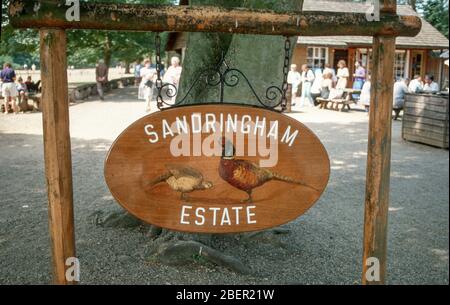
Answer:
[(379, 156), (57, 149)]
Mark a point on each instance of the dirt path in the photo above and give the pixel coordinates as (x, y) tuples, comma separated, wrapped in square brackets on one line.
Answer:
[(324, 245)]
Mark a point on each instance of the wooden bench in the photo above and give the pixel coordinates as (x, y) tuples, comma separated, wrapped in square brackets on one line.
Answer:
[(335, 103), (344, 102)]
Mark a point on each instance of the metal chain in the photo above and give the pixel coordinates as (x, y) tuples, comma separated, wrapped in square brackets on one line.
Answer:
[(287, 60), (159, 82)]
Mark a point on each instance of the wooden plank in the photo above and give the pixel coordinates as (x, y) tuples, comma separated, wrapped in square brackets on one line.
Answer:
[(419, 139), (424, 127), (428, 99), (57, 149), (378, 159), (442, 116), (427, 106), (141, 17), (425, 134), (424, 120)]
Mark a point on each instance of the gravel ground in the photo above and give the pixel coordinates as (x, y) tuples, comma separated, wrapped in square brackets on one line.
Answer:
[(324, 246)]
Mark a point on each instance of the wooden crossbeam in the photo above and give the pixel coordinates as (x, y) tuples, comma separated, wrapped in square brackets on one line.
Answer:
[(138, 17)]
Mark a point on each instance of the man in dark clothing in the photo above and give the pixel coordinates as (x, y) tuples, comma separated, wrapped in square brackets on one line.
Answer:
[(101, 75), (9, 89)]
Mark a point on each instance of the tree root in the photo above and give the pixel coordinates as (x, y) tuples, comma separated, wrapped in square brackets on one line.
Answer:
[(116, 219), (180, 252), (267, 236), (176, 248)]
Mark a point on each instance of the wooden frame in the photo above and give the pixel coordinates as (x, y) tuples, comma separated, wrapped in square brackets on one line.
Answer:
[(423, 53), (210, 19), (133, 17)]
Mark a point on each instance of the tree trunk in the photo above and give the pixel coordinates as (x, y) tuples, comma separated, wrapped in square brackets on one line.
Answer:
[(259, 57), (127, 67), (107, 53), (413, 4)]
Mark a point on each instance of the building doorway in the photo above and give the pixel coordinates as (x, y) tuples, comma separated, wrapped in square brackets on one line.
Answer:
[(417, 63), (339, 54)]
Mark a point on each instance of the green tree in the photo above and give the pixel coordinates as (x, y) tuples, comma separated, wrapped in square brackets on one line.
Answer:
[(84, 47), (436, 13), (17, 47)]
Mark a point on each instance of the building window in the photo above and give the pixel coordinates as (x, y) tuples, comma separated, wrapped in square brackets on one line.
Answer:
[(317, 57), (399, 65)]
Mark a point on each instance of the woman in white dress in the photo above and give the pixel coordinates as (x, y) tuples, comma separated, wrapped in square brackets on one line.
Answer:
[(148, 75), (294, 79), (365, 94), (308, 77), (342, 76), (317, 84), (173, 74)]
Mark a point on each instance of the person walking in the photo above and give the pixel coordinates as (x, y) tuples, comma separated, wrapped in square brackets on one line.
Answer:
[(317, 84), (342, 75), (9, 89), (101, 76), (294, 79), (137, 72), (358, 78), (173, 75), (148, 77), (307, 81), (365, 94)]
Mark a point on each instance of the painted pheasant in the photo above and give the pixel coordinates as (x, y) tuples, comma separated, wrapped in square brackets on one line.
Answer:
[(183, 179), (245, 175)]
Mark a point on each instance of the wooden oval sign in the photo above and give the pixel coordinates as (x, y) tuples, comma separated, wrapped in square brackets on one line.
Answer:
[(217, 169)]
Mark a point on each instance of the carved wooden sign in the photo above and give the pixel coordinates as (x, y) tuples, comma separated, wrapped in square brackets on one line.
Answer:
[(217, 169)]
